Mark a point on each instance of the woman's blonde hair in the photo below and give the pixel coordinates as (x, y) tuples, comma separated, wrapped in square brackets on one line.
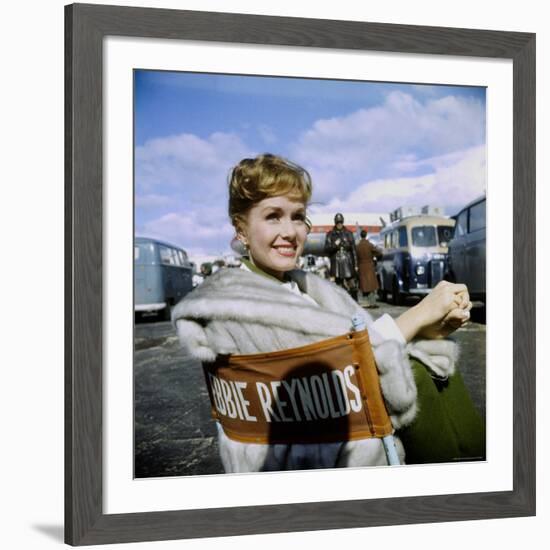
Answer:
[(265, 176)]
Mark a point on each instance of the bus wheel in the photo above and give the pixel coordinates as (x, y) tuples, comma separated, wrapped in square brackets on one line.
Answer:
[(396, 296), (165, 314), (382, 293)]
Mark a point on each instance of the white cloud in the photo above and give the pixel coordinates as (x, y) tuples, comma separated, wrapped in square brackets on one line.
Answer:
[(199, 232), (181, 190), (453, 180), (387, 141), (194, 165)]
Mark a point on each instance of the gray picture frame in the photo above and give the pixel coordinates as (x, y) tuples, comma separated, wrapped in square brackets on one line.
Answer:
[(85, 28)]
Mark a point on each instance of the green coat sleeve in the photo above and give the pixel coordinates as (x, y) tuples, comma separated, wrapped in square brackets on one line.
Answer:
[(447, 427)]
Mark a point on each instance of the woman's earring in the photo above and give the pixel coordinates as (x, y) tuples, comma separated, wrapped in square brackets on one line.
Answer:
[(244, 243)]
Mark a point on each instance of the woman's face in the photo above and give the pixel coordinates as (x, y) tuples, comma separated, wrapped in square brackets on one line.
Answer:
[(275, 232)]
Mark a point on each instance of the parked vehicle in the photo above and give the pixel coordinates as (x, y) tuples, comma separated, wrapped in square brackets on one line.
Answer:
[(466, 260), (163, 275), (414, 255)]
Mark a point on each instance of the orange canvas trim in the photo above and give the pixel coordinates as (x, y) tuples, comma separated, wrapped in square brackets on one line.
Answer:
[(322, 392)]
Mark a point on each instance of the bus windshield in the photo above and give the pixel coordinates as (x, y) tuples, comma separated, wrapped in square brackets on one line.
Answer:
[(423, 236)]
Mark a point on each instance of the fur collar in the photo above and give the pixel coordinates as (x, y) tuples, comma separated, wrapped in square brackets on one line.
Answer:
[(238, 295)]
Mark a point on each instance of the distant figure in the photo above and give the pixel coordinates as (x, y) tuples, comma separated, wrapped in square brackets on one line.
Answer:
[(340, 247), (206, 269), (217, 265), (368, 283)]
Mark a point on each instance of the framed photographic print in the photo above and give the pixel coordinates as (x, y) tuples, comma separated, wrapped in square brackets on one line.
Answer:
[(160, 106)]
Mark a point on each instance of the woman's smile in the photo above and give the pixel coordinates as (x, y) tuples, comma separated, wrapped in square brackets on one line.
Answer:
[(287, 250)]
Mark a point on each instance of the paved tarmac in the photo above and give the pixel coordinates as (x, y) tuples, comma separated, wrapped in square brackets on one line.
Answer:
[(174, 433)]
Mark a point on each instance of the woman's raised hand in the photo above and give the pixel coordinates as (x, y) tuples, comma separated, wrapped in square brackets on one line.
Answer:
[(442, 311)]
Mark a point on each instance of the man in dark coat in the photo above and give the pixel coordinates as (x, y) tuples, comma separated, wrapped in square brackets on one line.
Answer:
[(340, 247), (368, 283)]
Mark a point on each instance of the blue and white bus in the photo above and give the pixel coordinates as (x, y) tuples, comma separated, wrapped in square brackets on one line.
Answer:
[(414, 257)]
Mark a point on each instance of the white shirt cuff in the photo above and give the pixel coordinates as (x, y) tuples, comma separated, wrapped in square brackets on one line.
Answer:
[(387, 329)]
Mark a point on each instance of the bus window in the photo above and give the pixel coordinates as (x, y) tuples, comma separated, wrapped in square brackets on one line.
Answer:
[(423, 236), (142, 253), (462, 223), (445, 234), (176, 257), (477, 216), (166, 255), (184, 259)]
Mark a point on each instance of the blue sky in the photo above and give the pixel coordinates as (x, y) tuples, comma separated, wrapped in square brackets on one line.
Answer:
[(369, 146)]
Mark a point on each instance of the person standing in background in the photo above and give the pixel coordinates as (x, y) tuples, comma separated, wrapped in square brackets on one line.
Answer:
[(340, 248), (368, 283)]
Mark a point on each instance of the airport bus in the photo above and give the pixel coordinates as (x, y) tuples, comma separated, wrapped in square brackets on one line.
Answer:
[(414, 257)]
